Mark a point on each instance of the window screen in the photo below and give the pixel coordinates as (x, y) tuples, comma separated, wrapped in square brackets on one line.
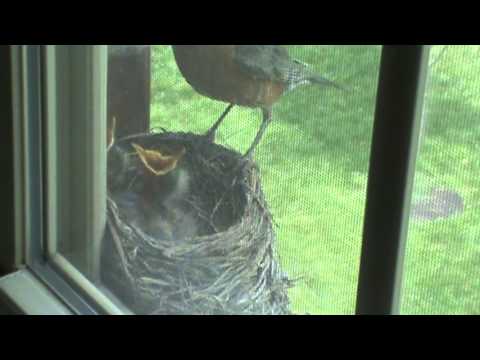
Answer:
[(313, 163), (441, 268)]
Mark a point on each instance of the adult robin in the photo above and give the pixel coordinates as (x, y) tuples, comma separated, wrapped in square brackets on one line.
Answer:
[(253, 76)]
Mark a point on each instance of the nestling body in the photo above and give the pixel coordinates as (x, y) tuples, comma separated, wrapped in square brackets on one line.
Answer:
[(150, 187), (161, 203)]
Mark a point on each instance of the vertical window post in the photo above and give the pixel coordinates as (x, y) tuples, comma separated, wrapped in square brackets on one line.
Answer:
[(7, 248), (393, 155)]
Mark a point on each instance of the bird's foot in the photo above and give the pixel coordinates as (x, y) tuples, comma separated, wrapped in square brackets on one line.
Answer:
[(210, 136), (239, 172)]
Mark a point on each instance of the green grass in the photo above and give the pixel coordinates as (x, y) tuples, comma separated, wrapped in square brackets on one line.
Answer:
[(314, 161), (442, 262)]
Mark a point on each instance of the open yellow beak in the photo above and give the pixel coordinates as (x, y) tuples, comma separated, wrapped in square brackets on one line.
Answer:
[(156, 162)]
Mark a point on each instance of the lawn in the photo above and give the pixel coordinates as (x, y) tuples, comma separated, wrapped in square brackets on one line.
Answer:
[(314, 160)]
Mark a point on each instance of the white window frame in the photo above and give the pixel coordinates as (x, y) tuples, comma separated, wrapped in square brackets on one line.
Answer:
[(62, 96)]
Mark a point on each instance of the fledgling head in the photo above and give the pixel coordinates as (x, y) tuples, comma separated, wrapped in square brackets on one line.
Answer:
[(166, 187), (166, 181), (158, 163)]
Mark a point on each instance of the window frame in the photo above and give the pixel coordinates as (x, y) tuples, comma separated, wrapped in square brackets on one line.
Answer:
[(399, 101), (10, 253), (39, 173), (400, 98)]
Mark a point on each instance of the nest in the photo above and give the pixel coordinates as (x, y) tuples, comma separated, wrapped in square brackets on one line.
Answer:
[(225, 264)]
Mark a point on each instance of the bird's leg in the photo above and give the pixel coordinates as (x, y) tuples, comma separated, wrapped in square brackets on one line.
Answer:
[(247, 159), (267, 118), (210, 135)]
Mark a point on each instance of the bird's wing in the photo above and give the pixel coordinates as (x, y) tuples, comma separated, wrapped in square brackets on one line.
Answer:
[(266, 62), (272, 62)]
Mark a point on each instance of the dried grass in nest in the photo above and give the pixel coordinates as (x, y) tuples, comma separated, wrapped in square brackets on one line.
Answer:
[(229, 267)]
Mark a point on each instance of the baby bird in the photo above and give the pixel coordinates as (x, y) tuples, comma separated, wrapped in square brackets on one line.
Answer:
[(165, 190)]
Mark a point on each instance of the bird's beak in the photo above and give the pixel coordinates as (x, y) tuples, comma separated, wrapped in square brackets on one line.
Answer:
[(156, 162), (327, 82)]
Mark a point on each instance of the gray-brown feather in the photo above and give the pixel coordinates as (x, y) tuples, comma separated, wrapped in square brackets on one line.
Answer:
[(272, 62)]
